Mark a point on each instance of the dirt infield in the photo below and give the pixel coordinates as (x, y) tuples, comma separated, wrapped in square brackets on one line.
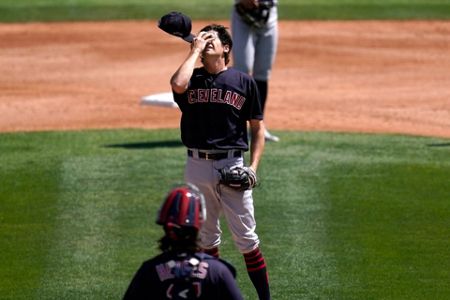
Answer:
[(390, 77)]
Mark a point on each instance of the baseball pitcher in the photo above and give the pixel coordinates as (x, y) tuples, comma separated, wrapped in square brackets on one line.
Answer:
[(216, 103)]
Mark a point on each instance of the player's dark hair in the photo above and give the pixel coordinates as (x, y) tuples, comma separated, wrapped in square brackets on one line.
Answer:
[(167, 244), (224, 37)]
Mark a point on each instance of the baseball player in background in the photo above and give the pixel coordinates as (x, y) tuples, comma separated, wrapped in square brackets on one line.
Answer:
[(182, 271), (254, 25), (216, 103)]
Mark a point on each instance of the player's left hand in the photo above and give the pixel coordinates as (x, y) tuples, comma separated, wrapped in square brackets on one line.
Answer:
[(239, 178)]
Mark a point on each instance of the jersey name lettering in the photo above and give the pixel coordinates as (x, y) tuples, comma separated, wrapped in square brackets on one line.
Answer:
[(216, 96), (165, 270)]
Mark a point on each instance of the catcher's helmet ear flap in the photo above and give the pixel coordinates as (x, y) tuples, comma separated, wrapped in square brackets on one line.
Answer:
[(183, 208)]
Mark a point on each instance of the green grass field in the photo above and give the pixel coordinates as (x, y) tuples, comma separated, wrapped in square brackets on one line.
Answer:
[(341, 216), (60, 10)]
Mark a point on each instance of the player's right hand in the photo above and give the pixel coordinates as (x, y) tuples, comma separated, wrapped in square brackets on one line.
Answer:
[(202, 39)]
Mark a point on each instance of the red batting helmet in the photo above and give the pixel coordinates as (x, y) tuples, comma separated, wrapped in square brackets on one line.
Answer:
[(183, 212)]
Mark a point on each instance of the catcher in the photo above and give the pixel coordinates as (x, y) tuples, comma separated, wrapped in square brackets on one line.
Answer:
[(216, 103), (181, 271)]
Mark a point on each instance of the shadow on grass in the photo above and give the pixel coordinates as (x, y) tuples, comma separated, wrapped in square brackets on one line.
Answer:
[(439, 145), (147, 145)]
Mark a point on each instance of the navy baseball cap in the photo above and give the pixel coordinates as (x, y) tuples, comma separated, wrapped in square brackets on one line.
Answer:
[(177, 24)]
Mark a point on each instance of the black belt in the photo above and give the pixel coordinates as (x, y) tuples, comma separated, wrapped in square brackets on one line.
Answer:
[(214, 156)]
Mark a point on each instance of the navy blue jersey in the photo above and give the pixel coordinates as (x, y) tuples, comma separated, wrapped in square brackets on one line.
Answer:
[(184, 276), (215, 109)]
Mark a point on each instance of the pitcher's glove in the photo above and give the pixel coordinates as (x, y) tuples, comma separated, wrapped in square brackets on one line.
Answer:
[(239, 178), (256, 17)]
